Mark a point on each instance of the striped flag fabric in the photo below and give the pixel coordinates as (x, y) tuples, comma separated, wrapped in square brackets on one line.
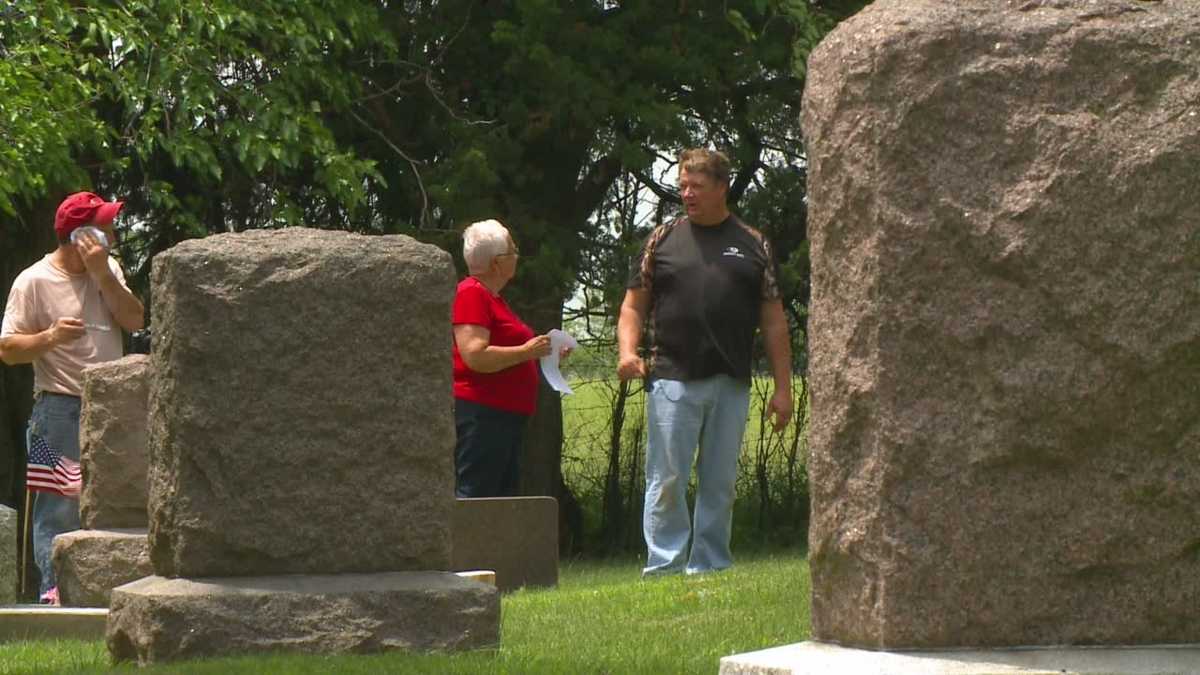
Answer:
[(49, 471)]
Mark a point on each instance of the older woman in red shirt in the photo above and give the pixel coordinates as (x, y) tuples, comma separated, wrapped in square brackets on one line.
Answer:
[(495, 374)]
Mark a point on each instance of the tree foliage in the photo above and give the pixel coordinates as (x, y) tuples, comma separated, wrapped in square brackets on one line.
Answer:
[(401, 116)]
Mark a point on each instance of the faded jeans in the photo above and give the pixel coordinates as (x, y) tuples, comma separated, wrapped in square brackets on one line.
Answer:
[(56, 419), (709, 414)]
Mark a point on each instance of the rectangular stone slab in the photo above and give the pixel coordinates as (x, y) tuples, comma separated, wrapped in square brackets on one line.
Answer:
[(154, 620), (88, 564), (301, 408), (43, 622), (817, 657), (516, 537)]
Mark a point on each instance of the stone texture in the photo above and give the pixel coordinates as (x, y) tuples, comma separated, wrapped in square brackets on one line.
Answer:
[(10, 565), (112, 443), (88, 564), (516, 537), (1005, 446), (155, 619), (301, 406)]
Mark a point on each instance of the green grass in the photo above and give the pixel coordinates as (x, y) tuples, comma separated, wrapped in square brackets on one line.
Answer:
[(601, 619), (587, 416)]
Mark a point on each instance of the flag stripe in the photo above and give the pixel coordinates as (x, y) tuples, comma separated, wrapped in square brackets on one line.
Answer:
[(49, 471)]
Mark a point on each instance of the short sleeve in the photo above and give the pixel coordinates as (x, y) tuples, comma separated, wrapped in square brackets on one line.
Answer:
[(117, 271), (635, 269), (16, 314), (472, 305), (641, 272)]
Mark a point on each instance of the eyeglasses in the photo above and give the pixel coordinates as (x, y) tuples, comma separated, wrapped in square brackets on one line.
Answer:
[(515, 252)]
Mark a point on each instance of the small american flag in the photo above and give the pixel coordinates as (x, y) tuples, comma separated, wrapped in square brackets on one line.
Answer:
[(49, 471)]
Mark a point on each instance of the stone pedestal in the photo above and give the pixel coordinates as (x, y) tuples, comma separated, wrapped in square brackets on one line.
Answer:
[(517, 537), (88, 564), (819, 659), (1004, 334), (20, 623), (156, 619)]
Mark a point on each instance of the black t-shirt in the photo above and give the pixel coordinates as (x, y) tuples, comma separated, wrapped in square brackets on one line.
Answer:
[(707, 285)]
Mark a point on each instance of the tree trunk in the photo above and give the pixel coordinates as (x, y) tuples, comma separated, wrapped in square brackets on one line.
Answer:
[(541, 461)]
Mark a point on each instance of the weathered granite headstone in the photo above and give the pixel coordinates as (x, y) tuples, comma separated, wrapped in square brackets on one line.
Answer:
[(301, 382), (88, 564), (301, 469), (112, 443), (1005, 332), (9, 565)]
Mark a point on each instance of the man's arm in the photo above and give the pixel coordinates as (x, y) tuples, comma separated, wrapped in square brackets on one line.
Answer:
[(124, 305), (779, 354), (17, 348), (629, 333)]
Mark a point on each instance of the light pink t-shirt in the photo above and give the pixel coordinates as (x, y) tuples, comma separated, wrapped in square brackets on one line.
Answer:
[(43, 293)]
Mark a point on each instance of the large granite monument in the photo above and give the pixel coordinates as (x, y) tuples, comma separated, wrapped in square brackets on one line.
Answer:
[(1005, 332), (301, 442)]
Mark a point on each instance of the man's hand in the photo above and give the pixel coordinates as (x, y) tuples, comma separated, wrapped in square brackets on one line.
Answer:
[(94, 256), (630, 366), (780, 407), (65, 329)]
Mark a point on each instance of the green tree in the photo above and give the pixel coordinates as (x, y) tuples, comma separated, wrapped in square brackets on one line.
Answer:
[(414, 117)]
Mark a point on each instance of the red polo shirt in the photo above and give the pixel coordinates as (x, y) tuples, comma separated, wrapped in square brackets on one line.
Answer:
[(513, 389)]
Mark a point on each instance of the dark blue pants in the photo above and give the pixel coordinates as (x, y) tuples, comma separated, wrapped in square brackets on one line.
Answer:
[(487, 454)]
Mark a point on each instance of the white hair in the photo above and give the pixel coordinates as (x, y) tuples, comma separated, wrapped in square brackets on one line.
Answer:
[(483, 241)]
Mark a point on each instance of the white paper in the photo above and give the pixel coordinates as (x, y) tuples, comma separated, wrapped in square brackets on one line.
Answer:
[(558, 340)]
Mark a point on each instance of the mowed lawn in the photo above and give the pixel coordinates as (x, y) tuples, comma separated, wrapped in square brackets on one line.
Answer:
[(601, 619), (587, 420)]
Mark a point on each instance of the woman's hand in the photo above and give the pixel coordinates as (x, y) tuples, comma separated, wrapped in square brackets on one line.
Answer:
[(537, 347)]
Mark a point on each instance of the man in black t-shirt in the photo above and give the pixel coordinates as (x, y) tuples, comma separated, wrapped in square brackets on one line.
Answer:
[(706, 282)]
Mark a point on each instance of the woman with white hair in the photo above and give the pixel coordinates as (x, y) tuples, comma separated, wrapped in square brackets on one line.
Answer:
[(495, 374)]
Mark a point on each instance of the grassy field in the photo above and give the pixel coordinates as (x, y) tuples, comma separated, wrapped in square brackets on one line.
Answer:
[(587, 416), (601, 619)]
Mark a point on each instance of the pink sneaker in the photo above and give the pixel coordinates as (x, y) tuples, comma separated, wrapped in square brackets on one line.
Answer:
[(50, 597)]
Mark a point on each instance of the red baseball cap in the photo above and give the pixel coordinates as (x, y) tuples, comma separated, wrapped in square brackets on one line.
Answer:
[(84, 208)]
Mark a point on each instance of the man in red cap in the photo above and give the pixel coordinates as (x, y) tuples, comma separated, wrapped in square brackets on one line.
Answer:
[(66, 312)]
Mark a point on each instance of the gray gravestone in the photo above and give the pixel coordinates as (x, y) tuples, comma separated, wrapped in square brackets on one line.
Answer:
[(301, 470), (515, 537), (112, 443), (10, 566), (301, 415), (1004, 335)]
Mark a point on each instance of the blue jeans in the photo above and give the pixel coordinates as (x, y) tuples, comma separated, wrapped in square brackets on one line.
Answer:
[(56, 419), (709, 414)]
